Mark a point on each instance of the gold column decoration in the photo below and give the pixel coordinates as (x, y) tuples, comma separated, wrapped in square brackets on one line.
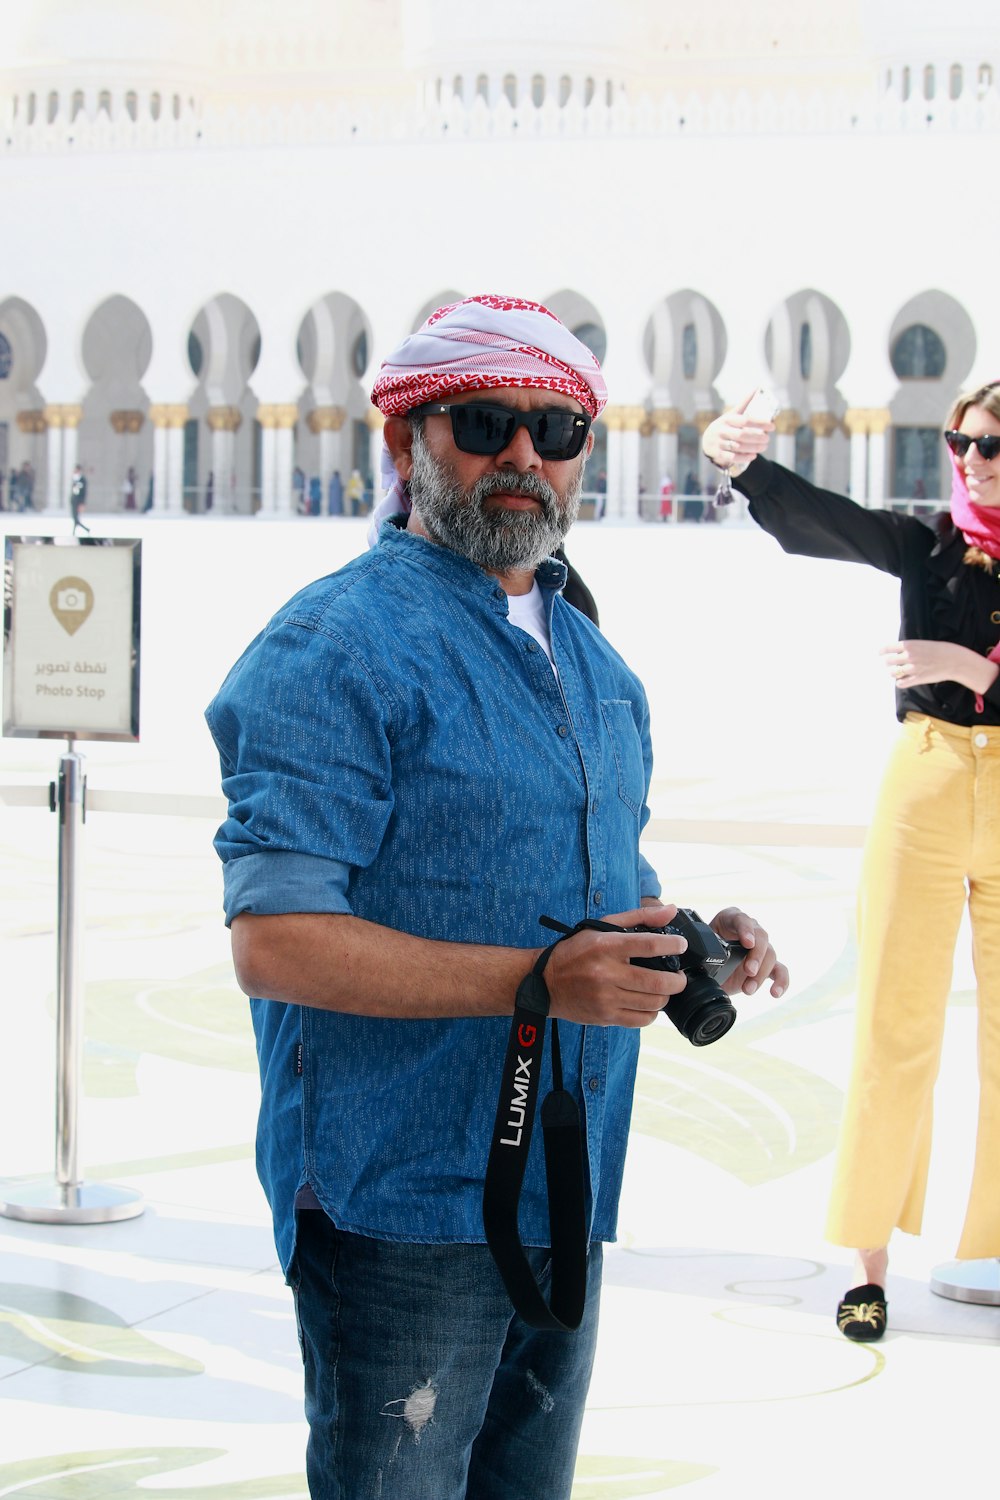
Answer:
[(281, 415), (879, 420), (31, 422), (703, 419), (63, 416), (633, 417), (224, 418), (613, 418), (668, 419), (326, 419), (168, 416), (374, 419), (126, 421), (856, 421), (871, 419), (647, 426), (824, 424), (787, 422)]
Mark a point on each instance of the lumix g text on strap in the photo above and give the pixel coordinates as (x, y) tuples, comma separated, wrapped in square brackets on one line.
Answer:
[(564, 1173)]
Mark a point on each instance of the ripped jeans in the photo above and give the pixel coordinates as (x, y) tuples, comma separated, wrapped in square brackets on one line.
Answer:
[(422, 1383)]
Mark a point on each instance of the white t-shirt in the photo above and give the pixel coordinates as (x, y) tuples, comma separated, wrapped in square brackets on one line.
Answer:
[(527, 611)]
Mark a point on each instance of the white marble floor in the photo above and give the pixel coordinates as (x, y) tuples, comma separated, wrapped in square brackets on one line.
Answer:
[(158, 1357)]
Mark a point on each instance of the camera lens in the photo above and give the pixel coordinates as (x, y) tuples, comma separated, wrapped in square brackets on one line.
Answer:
[(701, 1012)]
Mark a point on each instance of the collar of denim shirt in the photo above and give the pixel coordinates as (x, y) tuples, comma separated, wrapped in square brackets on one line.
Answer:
[(456, 570)]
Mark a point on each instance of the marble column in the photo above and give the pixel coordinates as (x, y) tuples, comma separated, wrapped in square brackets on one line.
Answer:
[(56, 498), (856, 422), (824, 424), (633, 418), (666, 420), (614, 422), (286, 416), (127, 423), (375, 422), (168, 458), (72, 416), (787, 424), (34, 426), (224, 422), (879, 422), (268, 460)]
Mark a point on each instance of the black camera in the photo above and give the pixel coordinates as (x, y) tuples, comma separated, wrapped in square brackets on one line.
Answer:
[(702, 1011)]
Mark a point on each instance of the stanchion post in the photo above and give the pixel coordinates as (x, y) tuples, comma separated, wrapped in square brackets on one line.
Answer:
[(68, 1200)]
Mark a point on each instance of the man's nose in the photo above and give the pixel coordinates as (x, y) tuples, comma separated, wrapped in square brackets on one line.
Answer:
[(519, 453)]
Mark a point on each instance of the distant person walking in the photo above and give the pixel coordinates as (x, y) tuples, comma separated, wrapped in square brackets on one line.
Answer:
[(78, 499)]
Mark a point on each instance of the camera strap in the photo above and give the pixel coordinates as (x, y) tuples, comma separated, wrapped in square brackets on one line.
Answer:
[(564, 1167)]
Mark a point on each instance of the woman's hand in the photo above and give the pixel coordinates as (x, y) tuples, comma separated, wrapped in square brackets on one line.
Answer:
[(734, 440), (761, 961), (916, 663)]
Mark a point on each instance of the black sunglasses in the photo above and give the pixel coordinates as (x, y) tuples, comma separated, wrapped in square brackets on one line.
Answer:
[(960, 443), (486, 427)]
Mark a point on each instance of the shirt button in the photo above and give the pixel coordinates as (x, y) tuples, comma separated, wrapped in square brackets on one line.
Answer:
[(981, 741), (498, 593), (593, 1084), (563, 731), (598, 897), (532, 645)]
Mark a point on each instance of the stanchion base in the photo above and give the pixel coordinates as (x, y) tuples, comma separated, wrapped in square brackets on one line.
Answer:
[(968, 1281), (82, 1203)]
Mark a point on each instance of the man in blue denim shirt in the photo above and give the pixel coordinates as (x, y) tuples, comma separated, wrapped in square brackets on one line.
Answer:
[(422, 754)]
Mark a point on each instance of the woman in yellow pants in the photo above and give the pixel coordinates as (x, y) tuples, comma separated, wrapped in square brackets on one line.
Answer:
[(935, 838)]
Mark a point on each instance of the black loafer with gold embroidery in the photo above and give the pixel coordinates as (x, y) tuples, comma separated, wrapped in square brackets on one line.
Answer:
[(862, 1314)]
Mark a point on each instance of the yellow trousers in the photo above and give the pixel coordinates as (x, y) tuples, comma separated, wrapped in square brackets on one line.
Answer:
[(934, 843)]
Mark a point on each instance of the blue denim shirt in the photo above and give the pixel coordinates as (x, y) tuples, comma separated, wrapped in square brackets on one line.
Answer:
[(394, 747)]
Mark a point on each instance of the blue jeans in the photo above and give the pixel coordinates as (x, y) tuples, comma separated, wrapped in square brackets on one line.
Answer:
[(421, 1381)]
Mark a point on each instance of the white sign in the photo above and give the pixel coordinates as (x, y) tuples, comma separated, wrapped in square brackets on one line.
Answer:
[(71, 638)]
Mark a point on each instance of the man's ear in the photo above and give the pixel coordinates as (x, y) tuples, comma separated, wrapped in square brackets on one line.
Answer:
[(398, 435)]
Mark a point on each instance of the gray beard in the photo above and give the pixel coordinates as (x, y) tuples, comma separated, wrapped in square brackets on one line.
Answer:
[(500, 541)]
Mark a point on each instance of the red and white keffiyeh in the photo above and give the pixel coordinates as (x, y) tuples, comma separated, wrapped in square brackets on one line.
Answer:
[(481, 343)]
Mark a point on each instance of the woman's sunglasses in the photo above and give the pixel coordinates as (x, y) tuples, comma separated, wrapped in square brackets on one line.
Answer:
[(486, 427), (960, 443)]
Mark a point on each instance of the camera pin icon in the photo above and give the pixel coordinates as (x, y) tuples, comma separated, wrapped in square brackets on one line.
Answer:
[(71, 600)]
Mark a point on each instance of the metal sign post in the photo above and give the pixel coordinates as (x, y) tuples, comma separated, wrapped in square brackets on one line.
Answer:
[(64, 681)]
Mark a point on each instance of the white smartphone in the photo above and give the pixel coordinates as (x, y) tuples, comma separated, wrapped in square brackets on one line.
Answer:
[(763, 406)]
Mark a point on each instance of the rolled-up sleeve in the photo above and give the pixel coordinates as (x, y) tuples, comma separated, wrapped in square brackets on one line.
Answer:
[(303, 735)]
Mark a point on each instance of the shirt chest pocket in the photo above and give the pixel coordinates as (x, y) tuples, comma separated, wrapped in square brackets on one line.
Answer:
[(625, 752)]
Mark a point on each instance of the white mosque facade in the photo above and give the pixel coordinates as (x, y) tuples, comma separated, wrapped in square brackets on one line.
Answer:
[(219, 216)]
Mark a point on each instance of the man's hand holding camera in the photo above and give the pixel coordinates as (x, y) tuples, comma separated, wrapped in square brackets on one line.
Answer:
[(593, 977)]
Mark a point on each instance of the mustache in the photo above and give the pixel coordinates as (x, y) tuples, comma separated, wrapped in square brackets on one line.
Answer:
[(532, 485)]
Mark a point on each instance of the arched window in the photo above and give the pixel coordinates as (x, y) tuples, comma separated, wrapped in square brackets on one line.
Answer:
[(609, 93), (689, 350), (155, 105), (31, 109), (565, 89), (955, 81), (196, 355), (904, 91), (538, 90), (510, 89), (177, 106), (588, 90), (104, 102), (6, 357), (359, 354), (888, 80), (53, 108), (930, 83), (805, 355), (483, 88), (596, 340), (132, 104), (437, 91), (78, 104), (916, 463), (457, 86), (918, 354), (985, 78)]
